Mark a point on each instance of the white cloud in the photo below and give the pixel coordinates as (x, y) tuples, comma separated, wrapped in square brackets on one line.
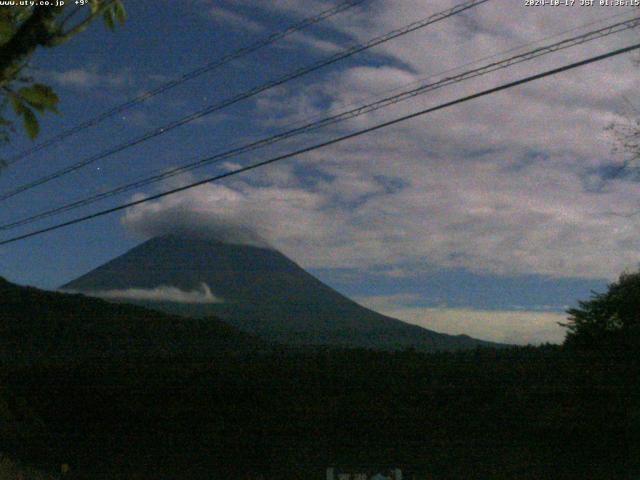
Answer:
[(230, 18), (478, 215), (503, 184), (300, 39), (91, 78), (292, 7), (163, 293), (513, 327)]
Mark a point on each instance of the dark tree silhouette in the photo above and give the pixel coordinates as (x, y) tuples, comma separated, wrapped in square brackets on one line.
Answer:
[(607, 317)]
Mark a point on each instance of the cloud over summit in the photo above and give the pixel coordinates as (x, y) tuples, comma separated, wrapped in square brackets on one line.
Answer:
[(185, 217)]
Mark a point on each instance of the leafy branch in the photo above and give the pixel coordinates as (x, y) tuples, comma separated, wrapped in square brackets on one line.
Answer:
[(23, 29)]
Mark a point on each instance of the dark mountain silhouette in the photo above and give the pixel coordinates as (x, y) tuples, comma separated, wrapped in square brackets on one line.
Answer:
[(262, 291), (37, 325)]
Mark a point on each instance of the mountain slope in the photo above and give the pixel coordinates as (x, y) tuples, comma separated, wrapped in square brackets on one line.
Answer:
[(262, 292), (39, 325)]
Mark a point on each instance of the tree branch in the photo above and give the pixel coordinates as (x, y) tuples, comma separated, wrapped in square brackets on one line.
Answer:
[(60, 38), (34, 31)]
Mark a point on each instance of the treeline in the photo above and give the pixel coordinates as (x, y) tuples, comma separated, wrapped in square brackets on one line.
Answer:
[(545, 412)]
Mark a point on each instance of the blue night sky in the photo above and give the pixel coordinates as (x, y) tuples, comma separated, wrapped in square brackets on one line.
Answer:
[(503, 204)]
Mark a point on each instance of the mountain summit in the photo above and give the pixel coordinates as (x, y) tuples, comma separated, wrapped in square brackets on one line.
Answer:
[(254, 288)]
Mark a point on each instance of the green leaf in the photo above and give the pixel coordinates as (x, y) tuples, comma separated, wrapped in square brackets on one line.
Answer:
[(39, 96), (16, 103), (120, 12), (6, 30), (21, 14), (95, 5), (109, 19), (31, 123)]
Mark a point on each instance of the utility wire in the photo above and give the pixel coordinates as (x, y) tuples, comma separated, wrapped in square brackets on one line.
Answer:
[(346, 115), (248, 94), (264, 42), (422, 79), (327, 143)]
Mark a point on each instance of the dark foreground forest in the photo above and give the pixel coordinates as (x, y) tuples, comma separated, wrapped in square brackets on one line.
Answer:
[(533, 413), (115, 391)]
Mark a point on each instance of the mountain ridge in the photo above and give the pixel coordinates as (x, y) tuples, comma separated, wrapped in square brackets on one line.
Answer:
[(263, 293), (38, 325)]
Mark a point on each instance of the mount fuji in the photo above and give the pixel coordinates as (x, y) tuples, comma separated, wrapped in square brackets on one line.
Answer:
[(255, 288)]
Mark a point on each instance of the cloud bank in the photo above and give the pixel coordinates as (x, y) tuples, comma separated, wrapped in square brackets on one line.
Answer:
[(509, 184), (503, 326), (512, 327), (182, 217)]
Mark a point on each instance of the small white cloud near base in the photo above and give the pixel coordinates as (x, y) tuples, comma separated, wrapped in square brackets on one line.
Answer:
[(162, 293)]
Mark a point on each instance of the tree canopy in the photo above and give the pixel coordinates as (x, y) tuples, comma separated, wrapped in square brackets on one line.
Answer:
[(613, 315)]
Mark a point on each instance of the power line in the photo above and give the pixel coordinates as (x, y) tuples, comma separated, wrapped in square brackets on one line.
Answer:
[(346, 115), (327, 143), (248, 94), (264, 42)]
